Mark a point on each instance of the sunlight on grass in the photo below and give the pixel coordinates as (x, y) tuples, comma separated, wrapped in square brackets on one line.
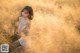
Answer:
[(54, 29)]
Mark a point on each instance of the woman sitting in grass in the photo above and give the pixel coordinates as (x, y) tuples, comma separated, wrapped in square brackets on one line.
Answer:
[(23, 26)]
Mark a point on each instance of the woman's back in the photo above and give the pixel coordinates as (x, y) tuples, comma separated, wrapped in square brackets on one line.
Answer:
[(23, 23)]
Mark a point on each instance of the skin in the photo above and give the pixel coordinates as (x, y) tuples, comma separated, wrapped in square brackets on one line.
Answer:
[(25, 14)]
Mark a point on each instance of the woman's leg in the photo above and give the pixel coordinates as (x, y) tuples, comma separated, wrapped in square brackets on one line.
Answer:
[(14, 45), (19, 42)]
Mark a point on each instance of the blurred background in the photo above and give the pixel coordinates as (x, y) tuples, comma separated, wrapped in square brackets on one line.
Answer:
[(55, 27)]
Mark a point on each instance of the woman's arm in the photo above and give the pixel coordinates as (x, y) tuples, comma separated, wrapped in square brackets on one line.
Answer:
[(16, 25)]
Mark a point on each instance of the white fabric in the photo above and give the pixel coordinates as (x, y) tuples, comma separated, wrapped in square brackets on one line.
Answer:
[(23, 24), (22, 42)]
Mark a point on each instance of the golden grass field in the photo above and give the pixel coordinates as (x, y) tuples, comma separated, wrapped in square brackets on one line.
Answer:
[(54, 29)]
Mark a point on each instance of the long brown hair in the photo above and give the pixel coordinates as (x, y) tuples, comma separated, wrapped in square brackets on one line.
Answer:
[(30, 10)]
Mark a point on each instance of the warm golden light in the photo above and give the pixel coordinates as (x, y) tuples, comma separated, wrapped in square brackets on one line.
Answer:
[(54, 29)]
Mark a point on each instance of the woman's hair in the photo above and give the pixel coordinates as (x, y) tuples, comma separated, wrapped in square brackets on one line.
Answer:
[(30, 10)]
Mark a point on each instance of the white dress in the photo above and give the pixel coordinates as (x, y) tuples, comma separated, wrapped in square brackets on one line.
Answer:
[(23, 24)]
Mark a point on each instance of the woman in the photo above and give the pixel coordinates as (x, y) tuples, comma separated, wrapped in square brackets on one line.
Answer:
[(23, 26)]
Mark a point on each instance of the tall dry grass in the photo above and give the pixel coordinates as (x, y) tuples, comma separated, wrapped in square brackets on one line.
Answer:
[(54, 29)]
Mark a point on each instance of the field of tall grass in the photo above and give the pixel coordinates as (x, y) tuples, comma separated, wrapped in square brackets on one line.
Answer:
[(55, 27)]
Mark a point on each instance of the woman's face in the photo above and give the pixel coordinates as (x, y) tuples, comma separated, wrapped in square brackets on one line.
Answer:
[(25, 13)]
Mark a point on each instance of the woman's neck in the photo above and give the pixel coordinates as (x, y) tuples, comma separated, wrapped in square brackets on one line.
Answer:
[(24, 17)]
